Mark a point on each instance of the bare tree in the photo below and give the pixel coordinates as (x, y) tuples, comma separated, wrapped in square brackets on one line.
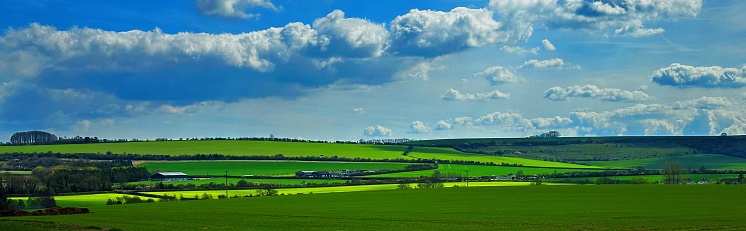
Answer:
[(672, 171)]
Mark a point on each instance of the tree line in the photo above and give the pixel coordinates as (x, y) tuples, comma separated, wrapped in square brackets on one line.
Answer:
[(61, 179)]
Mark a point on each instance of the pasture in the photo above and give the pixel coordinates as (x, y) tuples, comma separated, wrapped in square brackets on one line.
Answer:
[(591, 207), (452, 154), (481, 170), (91, 201), (709, 161), (262, 168), (219, 180)]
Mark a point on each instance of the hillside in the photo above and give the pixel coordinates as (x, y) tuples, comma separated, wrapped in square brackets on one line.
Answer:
[(597, 148)]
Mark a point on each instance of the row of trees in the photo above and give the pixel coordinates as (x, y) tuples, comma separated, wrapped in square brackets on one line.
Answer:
[(32, 137)]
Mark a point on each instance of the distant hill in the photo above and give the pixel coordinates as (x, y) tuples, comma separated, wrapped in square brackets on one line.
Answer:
[(596, 148)]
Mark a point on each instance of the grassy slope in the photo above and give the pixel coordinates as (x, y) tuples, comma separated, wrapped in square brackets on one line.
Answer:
[(293, 149), (606, 148), (451, 154), (480, 170), (263, 168), (710, 161), (611, 207)]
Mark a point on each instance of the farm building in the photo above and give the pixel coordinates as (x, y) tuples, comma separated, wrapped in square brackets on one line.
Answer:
[(316, 174), (169, 176)]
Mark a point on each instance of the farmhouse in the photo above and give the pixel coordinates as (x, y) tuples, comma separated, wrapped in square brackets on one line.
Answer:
[(169, 176)]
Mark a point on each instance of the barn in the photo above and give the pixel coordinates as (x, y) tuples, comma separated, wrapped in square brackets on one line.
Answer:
[(169, 176)]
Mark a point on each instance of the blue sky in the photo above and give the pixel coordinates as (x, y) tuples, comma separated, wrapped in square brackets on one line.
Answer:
[(349, 70)]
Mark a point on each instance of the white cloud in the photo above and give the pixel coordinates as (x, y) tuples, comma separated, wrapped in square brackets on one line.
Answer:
[(628, 17), (359, 110), (232, 8), (498, 75), (509, 121), (519, 50), (82, 125), (551, 122), (432, 33), (377, 131), (419, 127), (455, 95), (443, 125), (350, 37), (548, 45), (555, 63), (558, 93), (683, 76)]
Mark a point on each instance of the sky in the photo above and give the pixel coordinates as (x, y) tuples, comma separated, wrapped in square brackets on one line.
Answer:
[(350, 70)]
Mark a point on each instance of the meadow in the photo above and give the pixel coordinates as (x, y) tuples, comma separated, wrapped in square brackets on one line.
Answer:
[(288, 149), (261, 168), (92, 201), (452, 154), (709, 161), (481, 170), (219, 180), (590, 207)]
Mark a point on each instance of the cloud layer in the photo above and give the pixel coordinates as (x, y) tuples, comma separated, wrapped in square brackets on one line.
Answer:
[(232, 8), (455, 95)]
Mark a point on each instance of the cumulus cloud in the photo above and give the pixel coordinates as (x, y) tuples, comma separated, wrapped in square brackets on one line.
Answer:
[(455, 95), (626, 17), (350, 37), (551, 122), (509, 120), (419, 127), (419, 71), (443, 125), (558, 93), (555, 63), (358, 110), (497, 75), (377, 131), (684, 76), (433, 33), (232, 8), (548, 45), (192, 108)]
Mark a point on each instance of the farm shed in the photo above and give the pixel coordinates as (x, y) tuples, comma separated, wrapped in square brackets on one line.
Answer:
[(169, 176)]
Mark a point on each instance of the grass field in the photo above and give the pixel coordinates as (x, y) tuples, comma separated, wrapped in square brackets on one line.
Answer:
[(16, 172), (481, 170), (451, 154), (710, 161), (251, 180), (262, 168), (592, 207), (88, 201), (337, 189), (270, 148)]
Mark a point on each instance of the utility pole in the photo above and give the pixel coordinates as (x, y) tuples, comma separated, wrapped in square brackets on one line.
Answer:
[(467, 177), (226, 184)]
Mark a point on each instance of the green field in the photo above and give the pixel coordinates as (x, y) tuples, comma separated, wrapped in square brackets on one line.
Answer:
[(709, 161), (262, 168), (337, 189), (16, 172), (592, 207), (225, 147), (597, 148), (219, 180), (482, 170), (651, 178), (88, 200), (451, 154), (271, 148)]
